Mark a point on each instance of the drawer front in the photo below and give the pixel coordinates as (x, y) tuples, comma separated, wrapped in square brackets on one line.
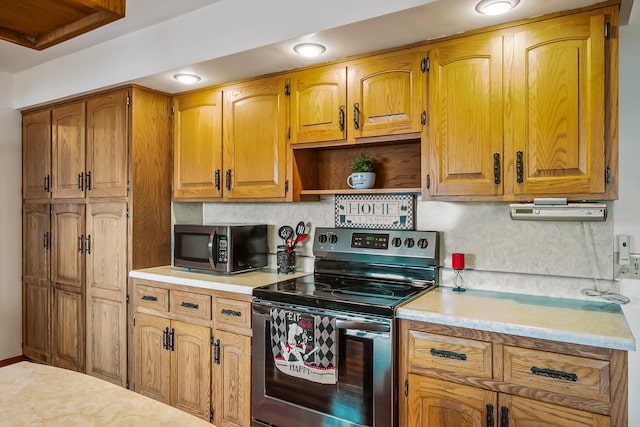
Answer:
[(150, 297), (191, 304), (558, 373), (232, 313), (460, 356)]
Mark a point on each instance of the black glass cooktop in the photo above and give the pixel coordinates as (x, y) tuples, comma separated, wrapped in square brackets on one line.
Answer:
[(369, 296)]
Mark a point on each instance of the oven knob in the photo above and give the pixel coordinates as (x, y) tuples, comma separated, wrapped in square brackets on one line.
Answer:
[(396, 242), (409, 242), (423, 243), (333, 239), (322, 238)]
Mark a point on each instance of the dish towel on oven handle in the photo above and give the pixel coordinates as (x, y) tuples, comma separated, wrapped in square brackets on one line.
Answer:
[(304, 345)]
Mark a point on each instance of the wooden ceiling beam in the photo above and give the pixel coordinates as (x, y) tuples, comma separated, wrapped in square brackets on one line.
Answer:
[(26, 30)]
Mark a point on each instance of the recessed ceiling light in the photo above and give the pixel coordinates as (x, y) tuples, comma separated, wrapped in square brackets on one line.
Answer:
[(496, 7), (187, 78), (309, 50)]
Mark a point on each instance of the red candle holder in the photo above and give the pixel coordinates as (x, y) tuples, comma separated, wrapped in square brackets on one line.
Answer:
[(457, 262)]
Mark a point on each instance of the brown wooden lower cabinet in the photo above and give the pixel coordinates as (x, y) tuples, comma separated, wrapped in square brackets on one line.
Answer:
[(68, 329), (173, 363), (192, 350), (465, 377), (435, 402)]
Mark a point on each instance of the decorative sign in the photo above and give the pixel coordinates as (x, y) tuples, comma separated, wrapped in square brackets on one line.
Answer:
[(382, 212)]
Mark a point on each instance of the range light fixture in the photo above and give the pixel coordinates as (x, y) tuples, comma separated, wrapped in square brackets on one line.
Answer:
[(309, 50), (187, 78), (496, 7)]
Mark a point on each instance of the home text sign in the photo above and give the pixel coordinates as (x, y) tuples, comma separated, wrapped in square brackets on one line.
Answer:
[(382, 212)]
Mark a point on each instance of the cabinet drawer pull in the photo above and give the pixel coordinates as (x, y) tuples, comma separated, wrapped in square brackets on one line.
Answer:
[(559, 375), (356, 115), (341, 118), (47, 184), (189, 305), (81, 243), (216, 352), (229, 312), (504, 417), (228, 179), (165, 338), (149, 298), (216, 179), (490, 419), (519, 168), (496, 168), (87, 181), (81, 181), (448, 354)]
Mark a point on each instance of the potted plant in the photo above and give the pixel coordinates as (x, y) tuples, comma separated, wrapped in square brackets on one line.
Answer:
[(362, 174)]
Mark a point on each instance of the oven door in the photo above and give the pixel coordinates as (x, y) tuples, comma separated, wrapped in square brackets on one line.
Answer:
[(363, 394)]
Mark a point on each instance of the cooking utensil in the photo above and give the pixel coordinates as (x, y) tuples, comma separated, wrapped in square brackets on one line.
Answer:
[(300, 234), (286, 233)]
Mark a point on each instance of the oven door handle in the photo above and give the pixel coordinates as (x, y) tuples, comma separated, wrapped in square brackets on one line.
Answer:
[(362, 325)]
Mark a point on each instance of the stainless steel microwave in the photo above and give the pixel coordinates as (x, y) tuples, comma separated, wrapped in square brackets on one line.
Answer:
[(230, 248)]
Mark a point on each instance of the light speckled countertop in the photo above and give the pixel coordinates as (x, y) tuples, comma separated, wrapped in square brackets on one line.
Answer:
[(240, 283), (35, 395), (594, 323)]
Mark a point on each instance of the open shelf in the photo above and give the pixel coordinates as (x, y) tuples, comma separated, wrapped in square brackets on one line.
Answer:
[(324, 170)]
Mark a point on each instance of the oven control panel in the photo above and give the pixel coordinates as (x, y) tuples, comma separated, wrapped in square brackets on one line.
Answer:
[(330, 241), (370, 240)]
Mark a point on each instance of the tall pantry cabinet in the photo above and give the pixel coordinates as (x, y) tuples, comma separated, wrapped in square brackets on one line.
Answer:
[(96, 193)]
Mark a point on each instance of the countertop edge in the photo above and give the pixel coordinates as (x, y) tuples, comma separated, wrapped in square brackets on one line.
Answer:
[(512, 329)]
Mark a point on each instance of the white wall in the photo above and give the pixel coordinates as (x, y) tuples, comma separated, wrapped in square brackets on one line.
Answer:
[(10, 224), (627, 207)]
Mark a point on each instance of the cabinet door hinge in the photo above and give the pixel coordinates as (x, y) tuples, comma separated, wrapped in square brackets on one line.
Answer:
[(607, 175), (423, 118), (173, 110), (134, 321), (607, 31), (127, 212), (289, 133), (126, 385), (406, 387), (211, 340), (286, 186), (428, 181), (128, 186), (425, 64), (127, 298), (128, 100), (287, 89), (211, 413)]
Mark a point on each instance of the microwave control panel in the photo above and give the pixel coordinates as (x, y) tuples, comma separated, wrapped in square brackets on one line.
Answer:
[(223, 248)]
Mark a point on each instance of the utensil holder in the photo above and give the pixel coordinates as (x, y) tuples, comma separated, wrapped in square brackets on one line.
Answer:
[(286, 260)]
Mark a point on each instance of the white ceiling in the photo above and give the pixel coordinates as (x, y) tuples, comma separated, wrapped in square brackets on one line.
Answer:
[(249, 50)]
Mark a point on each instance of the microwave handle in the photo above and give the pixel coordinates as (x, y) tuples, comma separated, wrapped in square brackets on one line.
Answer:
[(213, 238)]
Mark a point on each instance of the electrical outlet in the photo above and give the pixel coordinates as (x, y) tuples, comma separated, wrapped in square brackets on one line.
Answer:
[(631, 271)]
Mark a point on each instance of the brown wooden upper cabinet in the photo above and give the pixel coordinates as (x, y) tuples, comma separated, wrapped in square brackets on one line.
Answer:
[(254, 135), (386, 94), (197, 139), (466, 116), (558, 105), (238, 154), (36, 155), (77, 150), (375, 96), (319, 104), (522, 112)]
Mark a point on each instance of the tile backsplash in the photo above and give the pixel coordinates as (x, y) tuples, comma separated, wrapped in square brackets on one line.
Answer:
[(537, 257)]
